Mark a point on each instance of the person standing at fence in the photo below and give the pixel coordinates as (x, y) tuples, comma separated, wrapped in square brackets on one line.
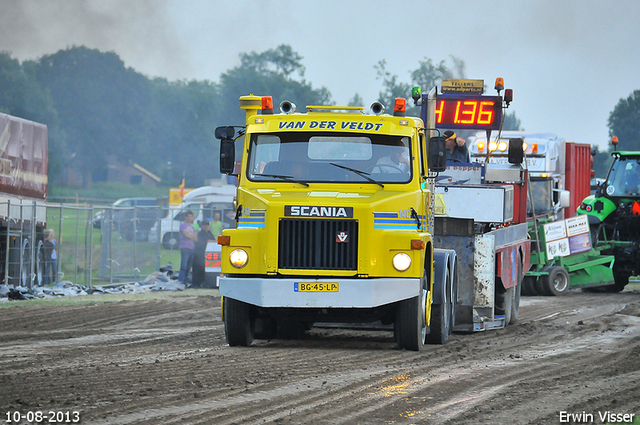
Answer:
[(50, 257), (188, 238), (216, 226), (204, 237)]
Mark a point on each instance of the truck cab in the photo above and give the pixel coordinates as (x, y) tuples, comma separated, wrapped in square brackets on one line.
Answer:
[(333, 222)]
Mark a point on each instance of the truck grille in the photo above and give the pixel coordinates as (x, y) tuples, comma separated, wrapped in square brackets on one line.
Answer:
[(318, 244)]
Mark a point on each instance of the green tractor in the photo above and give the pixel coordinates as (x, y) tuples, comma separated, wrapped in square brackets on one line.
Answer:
[(614, 217)]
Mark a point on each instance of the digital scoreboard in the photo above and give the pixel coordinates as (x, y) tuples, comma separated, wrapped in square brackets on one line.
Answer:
[(473, 112)]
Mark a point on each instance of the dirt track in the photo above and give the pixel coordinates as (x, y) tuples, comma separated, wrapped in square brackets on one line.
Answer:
[(166, 361)]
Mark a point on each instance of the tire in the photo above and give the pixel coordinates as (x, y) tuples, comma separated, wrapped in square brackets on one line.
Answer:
[(528, 282), (410, 327), (556, 283), (238, 326), (540, 288), (515, 305), (441, 317), (504, 302), (619, 283), (171, 240)]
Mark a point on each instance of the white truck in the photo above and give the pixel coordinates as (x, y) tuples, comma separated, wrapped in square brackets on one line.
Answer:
[(203, 202), (559, 170)]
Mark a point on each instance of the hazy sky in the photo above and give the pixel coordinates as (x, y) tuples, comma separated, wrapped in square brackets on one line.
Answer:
[(568, 62)]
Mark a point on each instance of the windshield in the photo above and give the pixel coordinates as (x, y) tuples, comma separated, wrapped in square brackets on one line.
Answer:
[(335, 157), (541, 191), (624, 178)]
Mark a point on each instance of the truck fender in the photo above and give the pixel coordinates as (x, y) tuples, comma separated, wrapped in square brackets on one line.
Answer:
[(442, 258)]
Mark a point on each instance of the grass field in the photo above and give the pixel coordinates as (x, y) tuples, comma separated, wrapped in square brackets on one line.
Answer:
[(81, 249)]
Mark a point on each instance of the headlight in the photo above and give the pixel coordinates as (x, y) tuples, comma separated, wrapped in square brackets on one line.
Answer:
[(401, 261), (238, 258)]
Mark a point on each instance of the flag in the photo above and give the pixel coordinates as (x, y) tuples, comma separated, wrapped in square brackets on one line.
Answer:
[(181, 187)]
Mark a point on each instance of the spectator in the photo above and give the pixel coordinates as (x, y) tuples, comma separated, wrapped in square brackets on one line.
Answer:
[(50, 257), (204, 237), (216, 226), (188, 238)]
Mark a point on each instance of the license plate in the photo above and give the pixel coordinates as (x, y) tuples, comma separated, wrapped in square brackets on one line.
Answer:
[(315, 287)]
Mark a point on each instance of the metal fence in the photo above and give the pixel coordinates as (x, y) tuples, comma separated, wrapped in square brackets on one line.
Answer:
[(94, 244)]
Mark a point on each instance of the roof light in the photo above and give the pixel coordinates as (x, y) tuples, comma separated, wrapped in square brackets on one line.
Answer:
[(524, 146), (534, 148), (267, 105), (493, 146), (399, 107), (614, 141), (499, 84), (481, 146), (416, 94), (502, 146), (508, 96)]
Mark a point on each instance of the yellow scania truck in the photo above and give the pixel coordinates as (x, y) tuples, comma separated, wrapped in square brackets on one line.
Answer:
[(335, 222)]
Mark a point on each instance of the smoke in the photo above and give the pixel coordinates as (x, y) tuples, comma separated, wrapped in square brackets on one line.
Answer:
[(140, 31)]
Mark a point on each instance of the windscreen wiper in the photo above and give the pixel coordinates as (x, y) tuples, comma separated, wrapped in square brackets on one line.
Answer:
[(361, 173), (285, 178)]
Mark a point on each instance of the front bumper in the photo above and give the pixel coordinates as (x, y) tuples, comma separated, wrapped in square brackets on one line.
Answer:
[(352, 293)]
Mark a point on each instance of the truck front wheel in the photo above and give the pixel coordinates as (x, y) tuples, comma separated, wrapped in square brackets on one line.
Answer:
[(238, 326), (410, 327)]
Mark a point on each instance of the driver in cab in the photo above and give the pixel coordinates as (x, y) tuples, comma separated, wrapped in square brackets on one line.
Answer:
[(397, 161)]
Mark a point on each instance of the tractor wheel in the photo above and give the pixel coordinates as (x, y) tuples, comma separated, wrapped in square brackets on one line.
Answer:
[(556, 283)]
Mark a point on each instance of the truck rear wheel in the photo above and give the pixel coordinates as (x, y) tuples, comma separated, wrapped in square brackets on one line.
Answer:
[(556, 282), (504, 301), (441, 316), (238, 325)]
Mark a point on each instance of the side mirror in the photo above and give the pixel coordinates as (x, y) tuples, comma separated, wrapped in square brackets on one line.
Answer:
[(227, 156), (437, 154), (225, 132), (565, 199), (516, 151)]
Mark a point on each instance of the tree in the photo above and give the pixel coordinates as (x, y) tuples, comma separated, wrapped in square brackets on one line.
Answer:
[(356, 100), (101, 104), (624, 122), (426, 76), (267, 74), (22, 96), (391, 87), (511, 122)]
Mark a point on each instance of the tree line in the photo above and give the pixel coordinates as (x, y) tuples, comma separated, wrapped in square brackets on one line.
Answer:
[(95, 107)]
